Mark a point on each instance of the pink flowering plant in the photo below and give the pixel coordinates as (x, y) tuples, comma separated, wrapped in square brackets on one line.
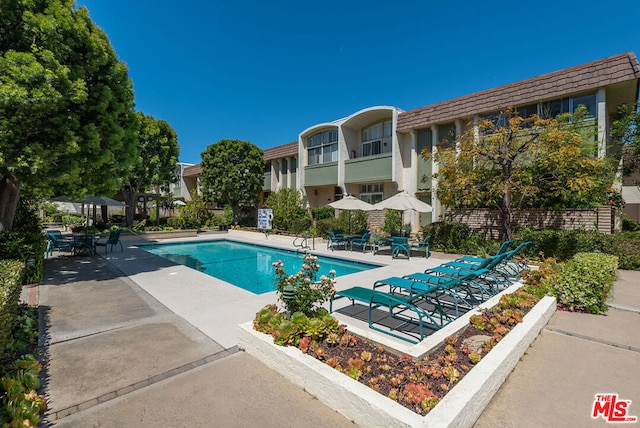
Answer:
[(310, 291)]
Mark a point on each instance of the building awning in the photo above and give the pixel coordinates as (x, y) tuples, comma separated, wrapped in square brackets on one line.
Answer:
[(631, 194)]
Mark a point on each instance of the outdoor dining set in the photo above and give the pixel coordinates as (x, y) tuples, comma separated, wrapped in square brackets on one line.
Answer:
[(398, 246), (82, 243)]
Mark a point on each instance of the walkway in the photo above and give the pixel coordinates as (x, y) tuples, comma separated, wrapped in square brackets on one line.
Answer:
[(140, 350)]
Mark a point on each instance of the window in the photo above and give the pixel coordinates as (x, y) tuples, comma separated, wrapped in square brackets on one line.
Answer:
[(322, 147), (447, 135), (424, 140), (527, 111), (376, 139), (551, 109), (267, 166), (371, 193)]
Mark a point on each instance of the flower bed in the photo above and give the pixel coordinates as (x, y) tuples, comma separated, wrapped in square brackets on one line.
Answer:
[(460, 406), (417, 381)]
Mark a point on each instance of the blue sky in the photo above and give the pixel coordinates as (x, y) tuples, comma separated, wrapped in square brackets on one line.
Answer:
[(265, 71)]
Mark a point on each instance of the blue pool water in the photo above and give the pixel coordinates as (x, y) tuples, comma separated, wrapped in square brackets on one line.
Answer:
[(246, 266)]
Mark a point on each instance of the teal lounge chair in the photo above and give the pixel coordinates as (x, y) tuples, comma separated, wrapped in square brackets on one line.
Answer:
[(477, 289), (500, 278), (111, 240), (503, 247), (508, 265), (405, 308)]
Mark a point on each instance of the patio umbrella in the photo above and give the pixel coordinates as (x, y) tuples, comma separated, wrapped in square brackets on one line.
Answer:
[(101, 200), (91, 200), (350, 203), (403, 202)]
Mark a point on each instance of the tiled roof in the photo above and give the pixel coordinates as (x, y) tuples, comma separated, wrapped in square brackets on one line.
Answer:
[(586, 77), (192, 171), (283, 151)]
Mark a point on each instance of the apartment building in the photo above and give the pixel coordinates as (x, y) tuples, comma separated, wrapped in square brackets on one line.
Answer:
[(375, 152)]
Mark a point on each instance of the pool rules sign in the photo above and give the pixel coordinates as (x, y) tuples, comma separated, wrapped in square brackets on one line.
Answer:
[(265, 219)]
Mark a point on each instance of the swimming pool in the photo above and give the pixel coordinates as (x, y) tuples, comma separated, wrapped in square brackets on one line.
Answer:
[(247, 266)]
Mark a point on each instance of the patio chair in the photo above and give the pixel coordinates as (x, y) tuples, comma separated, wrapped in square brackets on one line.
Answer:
[(378, 244), (112, 240), (58, 241), (400, 244), (423, 246), (361, 242), (335, 241)]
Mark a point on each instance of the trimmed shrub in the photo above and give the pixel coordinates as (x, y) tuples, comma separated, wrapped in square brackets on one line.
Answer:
[(326, 224), (352, 221), (321, 213), (456, 237), (11, 276), (626, 246), (629, 224), (584, 282), (560, 244)]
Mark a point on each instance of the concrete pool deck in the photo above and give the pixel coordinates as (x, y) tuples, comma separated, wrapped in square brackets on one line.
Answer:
[(216, 307), (119, 352)]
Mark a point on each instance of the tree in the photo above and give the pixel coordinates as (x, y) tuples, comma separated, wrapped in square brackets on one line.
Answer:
[(288, 210), (66, 105), (514, 163), (233, 174), (155, 164), (625, 132)]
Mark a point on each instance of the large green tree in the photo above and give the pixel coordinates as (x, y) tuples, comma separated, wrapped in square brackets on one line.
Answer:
[(155, 164), (67, 124), (515, 163), (232, 174)]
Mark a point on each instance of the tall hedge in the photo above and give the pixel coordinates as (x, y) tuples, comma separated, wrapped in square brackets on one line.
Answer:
[(11, 276)]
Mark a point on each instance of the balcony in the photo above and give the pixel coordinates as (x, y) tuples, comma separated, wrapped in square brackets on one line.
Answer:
[(321, 175), (368, 168)]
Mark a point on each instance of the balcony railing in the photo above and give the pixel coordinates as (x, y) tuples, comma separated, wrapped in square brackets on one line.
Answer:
[(321, 175), (368, 168)]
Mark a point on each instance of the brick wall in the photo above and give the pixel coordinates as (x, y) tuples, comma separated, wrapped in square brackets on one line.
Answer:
[(487, 221), (376, 220)]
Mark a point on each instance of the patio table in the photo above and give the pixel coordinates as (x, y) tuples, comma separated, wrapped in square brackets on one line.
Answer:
[(82, 243)]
